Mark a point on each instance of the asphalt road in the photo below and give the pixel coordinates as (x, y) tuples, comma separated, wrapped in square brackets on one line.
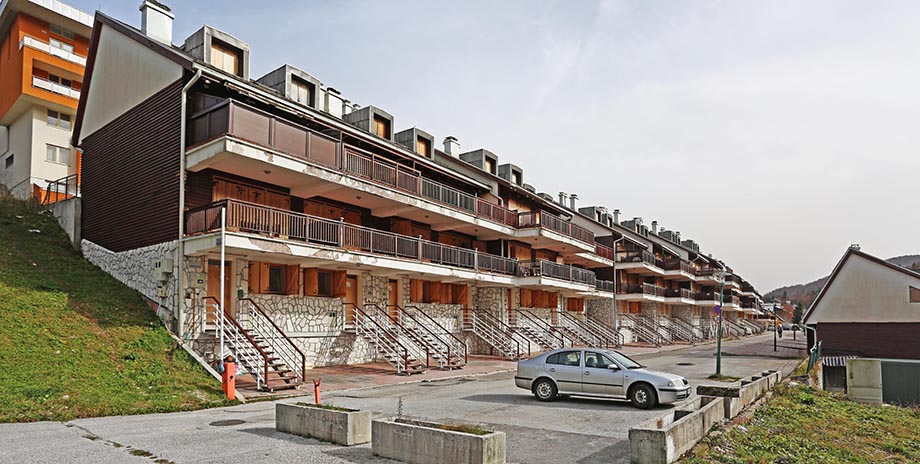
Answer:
[(570, 430)]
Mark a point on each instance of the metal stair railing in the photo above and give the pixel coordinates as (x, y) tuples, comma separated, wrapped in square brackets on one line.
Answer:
[(644, 332), (382, 339), (455, 346), (546, 333), (757, 328), (418, 348), (581, 330), (708, 327), (603, 330), (244, 348), (281, 345), (498, 334), (733, 328), (422, 336), (680, 328), (664, 329), (688, 328)]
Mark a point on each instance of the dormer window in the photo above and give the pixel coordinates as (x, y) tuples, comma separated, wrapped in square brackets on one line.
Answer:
[(423, 147), (489, 166), (381, 126), (225, 57), (515, 178), (302, 92)]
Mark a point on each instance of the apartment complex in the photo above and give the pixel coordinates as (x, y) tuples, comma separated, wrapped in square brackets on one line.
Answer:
[(42, 59), (303, 229)]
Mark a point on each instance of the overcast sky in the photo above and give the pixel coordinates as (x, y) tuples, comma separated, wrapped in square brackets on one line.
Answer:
[(773, 133)]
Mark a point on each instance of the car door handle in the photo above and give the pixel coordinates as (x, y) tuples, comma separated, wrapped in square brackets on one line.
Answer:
[(552, 369), (587, 373)]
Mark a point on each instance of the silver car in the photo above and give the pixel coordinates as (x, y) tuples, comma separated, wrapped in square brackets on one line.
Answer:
[(598, 372)]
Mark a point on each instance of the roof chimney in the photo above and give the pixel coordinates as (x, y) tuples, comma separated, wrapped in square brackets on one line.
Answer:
[(572, 199), (616, 216), (855, 246), (451, 146), (562, 197), (655, 227), (157, 21)]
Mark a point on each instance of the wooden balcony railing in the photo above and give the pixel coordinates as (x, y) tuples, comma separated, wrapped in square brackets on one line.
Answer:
[(247, 123), (638, 256), (264, 220), (678, 293), (556, 224), (559, 271), (604, 285), (678, 264), (604, 251), (646, 289)]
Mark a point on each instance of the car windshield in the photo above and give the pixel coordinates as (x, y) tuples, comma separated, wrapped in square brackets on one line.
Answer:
[(623, 360)]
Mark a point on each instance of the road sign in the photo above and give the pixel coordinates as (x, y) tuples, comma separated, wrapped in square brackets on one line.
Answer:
[(718, 309)]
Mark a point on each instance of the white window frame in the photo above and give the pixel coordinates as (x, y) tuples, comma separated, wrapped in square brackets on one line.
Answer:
[(58, 151)]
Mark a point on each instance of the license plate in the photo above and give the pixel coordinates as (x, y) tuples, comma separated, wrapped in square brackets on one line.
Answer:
[(682, 395)]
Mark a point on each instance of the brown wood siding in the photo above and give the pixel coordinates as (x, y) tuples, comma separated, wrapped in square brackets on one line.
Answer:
[(198, 186), (876, 340), (130, 180)]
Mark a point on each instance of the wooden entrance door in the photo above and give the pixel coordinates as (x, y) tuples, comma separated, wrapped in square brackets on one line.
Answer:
[(393, 299), (214, 287), (351, 299)]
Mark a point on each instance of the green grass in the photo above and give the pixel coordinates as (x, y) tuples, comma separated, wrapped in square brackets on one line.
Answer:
[(74, 342), (723, 378), (801, 425), (327, 407)]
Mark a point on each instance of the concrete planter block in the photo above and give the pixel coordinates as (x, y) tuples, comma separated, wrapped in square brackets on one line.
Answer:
[(665, 439), (738, 398), (425, 443), (342, 427)]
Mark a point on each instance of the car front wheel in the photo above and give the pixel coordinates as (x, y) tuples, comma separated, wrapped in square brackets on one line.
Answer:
[(545, 390), (643, 396)]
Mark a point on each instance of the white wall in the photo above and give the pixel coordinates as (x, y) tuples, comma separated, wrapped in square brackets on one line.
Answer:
[(20, 146), (44, 134), (126, 73), (866, 291)]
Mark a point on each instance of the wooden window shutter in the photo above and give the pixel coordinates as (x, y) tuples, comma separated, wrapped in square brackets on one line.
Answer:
[(254, 277), (552, 300), (310, 282), (526, 298), (339, 279), (446, 294), (460, 292), (434, 292), (263, 278), (539, 299), (415, 290), (292, 280)]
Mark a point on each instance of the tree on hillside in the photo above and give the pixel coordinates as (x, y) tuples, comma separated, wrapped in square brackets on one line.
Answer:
[(797, 313), (785, 296)]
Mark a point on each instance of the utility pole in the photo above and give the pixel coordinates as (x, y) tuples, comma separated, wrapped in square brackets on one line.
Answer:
[(775, 320)]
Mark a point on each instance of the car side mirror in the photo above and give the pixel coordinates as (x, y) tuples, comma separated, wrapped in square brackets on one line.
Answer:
[(613, 367)]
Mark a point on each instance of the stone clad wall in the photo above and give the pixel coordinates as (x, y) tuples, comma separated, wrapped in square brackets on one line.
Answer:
[(601, 310)]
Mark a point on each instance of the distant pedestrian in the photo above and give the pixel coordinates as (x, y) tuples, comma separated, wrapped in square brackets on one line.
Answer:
[(779, 331)]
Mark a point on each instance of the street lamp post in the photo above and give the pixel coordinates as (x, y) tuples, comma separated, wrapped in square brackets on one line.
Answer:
[(721, 275), (775, 320)]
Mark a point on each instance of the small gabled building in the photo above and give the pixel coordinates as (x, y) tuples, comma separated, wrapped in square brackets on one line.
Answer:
[(869, 308)]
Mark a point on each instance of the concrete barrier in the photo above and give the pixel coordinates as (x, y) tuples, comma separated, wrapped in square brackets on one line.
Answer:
[(736, 398), (345, 427), (426, 443), (665, 439)]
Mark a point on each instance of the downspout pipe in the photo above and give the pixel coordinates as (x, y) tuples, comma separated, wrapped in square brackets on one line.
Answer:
[(616, 322), (180, 247)]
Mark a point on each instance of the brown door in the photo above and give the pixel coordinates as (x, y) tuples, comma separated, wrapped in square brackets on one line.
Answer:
[(214, 287), (393, 299), (512, 317), (351, 299)]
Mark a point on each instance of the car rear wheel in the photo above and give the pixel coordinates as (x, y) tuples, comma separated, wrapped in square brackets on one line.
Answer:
[(545, 390), (643, 396)]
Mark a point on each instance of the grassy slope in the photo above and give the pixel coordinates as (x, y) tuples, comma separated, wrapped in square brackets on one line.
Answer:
[(74, 342), (801, 425)]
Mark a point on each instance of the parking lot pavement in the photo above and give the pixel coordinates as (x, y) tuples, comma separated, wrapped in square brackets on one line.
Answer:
[(570, 430)]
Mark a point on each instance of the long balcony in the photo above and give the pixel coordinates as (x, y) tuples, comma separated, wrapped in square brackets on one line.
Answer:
[(288, 225), (54, 87), (37, 44), (639, 262), (548, 221), (679, 295), (243, 122), (604, 251)]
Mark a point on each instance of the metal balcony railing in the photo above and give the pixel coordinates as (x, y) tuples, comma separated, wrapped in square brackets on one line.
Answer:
[(604, 251), (678, 293), (646, 289), (32, 42), (637, 256), (54, 87)]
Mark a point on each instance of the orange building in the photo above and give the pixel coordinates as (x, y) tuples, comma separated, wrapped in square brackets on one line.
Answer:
[(42, 60)]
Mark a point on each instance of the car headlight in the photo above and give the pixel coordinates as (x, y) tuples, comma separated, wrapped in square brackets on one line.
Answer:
[(675, 383)]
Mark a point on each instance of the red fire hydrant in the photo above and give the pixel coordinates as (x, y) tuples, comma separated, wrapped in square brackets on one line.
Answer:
[(228, 378), (316, 383)]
